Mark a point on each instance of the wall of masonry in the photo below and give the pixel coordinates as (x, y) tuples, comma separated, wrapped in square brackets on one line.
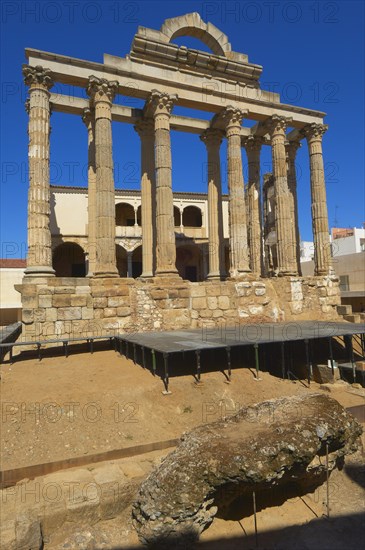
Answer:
[(73, 307)]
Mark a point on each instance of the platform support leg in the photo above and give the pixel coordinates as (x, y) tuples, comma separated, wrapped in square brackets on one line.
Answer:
[(283, 369), (198, 368), (308, 362), (331, 356), (134, 354), (143, 358), (349, 347), (153, 362), (229, 366), (166, 379), (257, 361)]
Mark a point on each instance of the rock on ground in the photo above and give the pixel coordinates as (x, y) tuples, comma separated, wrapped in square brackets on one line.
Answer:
[(265, 447)]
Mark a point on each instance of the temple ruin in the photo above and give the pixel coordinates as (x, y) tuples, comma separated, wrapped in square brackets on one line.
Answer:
[(251, 269)]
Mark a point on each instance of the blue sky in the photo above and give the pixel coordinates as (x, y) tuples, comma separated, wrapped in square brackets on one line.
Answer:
[(312, 53)]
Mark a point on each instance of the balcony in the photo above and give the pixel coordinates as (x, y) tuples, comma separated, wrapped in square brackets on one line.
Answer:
[(128, 231)]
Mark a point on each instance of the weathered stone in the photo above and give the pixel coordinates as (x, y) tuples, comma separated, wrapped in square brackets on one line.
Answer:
[(223, 302), (123, 311), (69, 313), (78, 300), (61, 300), (110, 312), (199, 303), (216, 463), (87, 313), (45, 300)]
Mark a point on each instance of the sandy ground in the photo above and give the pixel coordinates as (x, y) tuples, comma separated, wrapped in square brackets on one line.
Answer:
[(84, 404)]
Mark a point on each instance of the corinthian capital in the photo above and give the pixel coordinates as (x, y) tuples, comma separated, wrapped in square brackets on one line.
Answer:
[(212, 137), (37, 76), (231, 116), (252, 144), (292, 148), (277, 124), (101, 89), (88, 116), (159, 103), (314, 131)]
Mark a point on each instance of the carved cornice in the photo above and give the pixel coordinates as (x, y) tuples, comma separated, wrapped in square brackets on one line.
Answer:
[(277, 124), (100, 89), (145, 127), (37, 76), (314, 131), (212, 136), (159, 103)]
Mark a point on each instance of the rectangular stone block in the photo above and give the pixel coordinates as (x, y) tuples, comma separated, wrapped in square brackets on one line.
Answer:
[(28, 289), (69, 313), (344, 309), (110, 312), (213, 290), (78, 300), (45, 300), (64, 290), (123, 311), (224, 302), (159, 294), (180, 303), (199, 303), (51, 314), (197, 290), (87, 313), (29, 302), (116, 301), (212, 302), (39, 315), (101, 301), (61, 300)]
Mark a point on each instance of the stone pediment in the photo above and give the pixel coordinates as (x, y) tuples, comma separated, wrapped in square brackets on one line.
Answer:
[(154, 47)]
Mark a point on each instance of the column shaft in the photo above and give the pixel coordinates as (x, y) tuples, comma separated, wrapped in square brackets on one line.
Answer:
[(145, 129), (160, 106), (253, 148), (322, 252), (238, 245), (89, 120), (102, 92), (212, 139), (292, 148), (39, 259), (285, 231)]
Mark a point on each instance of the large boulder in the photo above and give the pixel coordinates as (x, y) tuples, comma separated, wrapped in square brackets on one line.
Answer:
[(274, 444)]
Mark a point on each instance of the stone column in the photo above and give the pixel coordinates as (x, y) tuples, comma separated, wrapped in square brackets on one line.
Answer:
[(285, 230), (88, 118), (213, 139), (253, 145), (291, 149), (101, 94), (238, 245), (322, 252), (159, 106), (39, 259), (145, 130)]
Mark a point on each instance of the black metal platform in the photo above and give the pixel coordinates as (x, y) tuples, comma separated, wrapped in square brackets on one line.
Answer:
[(197, 340)]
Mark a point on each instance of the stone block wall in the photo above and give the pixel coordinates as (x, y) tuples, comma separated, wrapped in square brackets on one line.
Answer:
[(73, 307)]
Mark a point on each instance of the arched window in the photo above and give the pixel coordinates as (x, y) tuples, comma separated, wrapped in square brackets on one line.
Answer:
[(124, 214), (192, 217), (69, 260)]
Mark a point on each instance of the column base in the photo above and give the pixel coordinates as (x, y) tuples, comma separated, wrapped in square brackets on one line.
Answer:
[(105, 275), (39, 271), (214, 277), (288, 274)]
